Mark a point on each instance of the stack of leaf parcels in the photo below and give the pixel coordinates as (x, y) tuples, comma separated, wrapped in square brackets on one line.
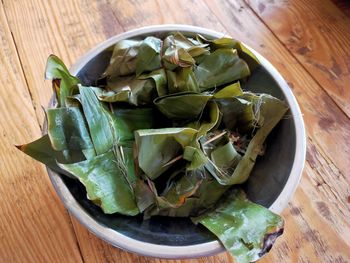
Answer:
[(167, 131)]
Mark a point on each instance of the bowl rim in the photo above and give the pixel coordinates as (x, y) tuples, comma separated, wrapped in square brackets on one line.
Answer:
[(190, 251)]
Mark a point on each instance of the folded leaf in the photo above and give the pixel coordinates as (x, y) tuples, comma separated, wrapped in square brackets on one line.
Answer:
[(269, 111), (220, 67), (140, 91), (226, 42), (129, 120), (148, 57), (111, 96), (124, 57), (68, 133), (105, 183), (247, 230), (182, 80), (229, 91), (185, 105), (238, 114), (156, 147), (209, 119), (175, 52), (225, 156), (100, 121), (195, 192), (64, 84), (160, 80)]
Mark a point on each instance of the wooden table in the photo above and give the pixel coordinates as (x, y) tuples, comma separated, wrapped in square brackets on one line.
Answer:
[(308, 41)]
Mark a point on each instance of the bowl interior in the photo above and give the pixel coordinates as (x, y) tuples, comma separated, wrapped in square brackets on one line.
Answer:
[(266, 182)]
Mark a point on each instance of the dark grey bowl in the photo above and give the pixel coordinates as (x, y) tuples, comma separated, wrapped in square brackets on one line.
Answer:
[(271, 184)]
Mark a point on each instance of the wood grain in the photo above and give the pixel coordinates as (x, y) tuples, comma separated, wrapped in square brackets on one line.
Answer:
[(319, 40), (318, 226), (34, 226)]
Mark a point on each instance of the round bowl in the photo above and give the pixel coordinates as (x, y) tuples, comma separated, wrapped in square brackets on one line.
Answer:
[(271, 184)]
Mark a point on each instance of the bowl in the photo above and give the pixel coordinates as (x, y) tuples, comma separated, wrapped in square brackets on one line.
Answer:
[(271, 184)]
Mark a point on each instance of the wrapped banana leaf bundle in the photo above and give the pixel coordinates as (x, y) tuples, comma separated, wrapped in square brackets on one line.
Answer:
[(167, 131)]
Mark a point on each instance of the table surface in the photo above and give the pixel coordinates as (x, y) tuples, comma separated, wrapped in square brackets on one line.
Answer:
[(308, 41)]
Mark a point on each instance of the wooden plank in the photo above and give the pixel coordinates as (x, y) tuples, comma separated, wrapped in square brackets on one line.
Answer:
[(319, 40), (68, 30), (328, 127), (343, 5), (96, 250), (34, 226)]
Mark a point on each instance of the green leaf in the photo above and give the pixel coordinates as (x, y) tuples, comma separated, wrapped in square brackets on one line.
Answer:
[(247, 230), (111, 96), (195, 192), (225, 156), (67, 132), (160, 80), (177, 50), (100, 121), (124, 57), (220, 67), (209, 119), (148, 57), (181, 80), (195, 156), (226, 42), (105, 184), (141, 91), (185, 105), (156, 147), (129, 120), (63, 83), (238, 114), (269, 112), (42, 151), (229, 91)]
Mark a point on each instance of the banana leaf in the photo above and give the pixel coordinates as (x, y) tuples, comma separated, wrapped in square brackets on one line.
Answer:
[(181, 80), (63, 83), (68, 133), (195, 156), (157, 147), (177, 57), (143, 195), (238, 114), (181, 51), (99, 119), (136, 92), (182, 106), (226, 42), (105, 183), (129, 120), (229, 91), (220, 67), (225, 156), (42, 151), (192, 46), (111, 96), (247, 230), (195, 192), (148, 57), (124, 57), (205, 125), (269, 111), (160, 80)]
